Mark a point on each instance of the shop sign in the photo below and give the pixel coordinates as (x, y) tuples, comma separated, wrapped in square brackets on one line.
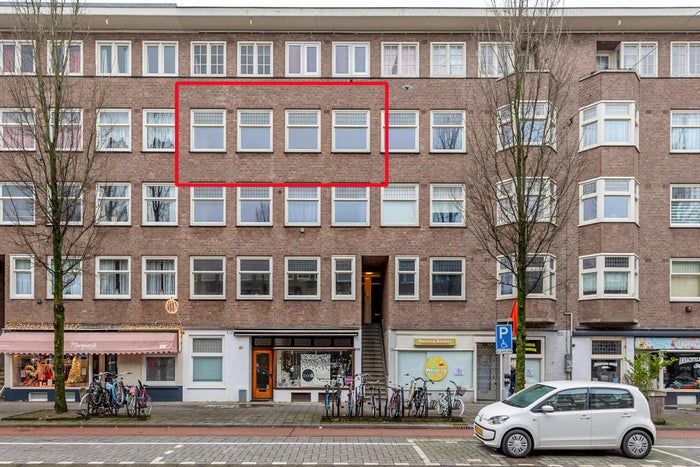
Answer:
[(667, 343), (434, 342), (435, 368), (531, 346), (686, 360)]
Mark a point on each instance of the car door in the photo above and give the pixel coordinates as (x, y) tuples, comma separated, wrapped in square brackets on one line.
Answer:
[(612, 412), (570, 423)]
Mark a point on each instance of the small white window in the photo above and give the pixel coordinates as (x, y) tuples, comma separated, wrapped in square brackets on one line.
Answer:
[(406, 278), (72, 279), (540, 277), (351, 130), (302, 278), (608, 276), (70, 129), (343, 278), (685, 131), (400, 59), (17, 130), (495, 59), (16, 204), (113, 203), (537, 121), (612, 123), (254, 278), (114, 130), (70, 63), (208, 58), (350, 206), (609, 200), (400, 205), (113, 58), (208, 206), (350, 59), (159, 130), (639, 56), (207, 361), (447, 279), (207, 278), (160, 58), (303, 131), (159, 204), (447, 59), (447, 131), (685, 205), (303, 206), (208, 132), (447, 205), (255, 59), (685, 280), (254, 206), (255, 130), (21, 277), (403, 131), (112, 278), (17, 57), (539, 193), (685, 59), (159, 277), (303, 59)]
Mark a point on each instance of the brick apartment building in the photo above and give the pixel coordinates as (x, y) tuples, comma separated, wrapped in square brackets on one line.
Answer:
[(281, 286)]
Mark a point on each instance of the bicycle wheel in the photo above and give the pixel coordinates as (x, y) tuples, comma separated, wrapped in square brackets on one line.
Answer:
[(327, 403), (130, 404), (373, 404), (458, 407), (146, 406), (424, 404), (118, 394), (95, 393), (84, 407), (336, 401), (360, 406)]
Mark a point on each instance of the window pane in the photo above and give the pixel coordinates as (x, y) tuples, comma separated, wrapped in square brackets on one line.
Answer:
[(616, 207), (616, 282), (206, 369)]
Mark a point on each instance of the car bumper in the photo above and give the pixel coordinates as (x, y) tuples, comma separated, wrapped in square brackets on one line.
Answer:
[(485, 435)]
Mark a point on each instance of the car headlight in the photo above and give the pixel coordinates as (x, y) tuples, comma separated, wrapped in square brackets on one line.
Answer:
[(498, 419)]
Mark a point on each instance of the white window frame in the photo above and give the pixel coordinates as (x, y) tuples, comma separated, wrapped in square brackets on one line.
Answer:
[(632, 195), (17, 67), (542, 187), (241, 128), (63, 127), (497, 50), (685, 127), (388, 200), (400, 72), (304, 63), (365, 198), (608, 55), (217, 355), (104, 130), (99, 200), (366, 127), (169, 272), (256, 57), (13, 278), (548, 276), (240, 271), (352, 66), (600, 269), (76, 271), (24, 124), (221, 125), (193, 296), (147, 125), (599, 117), (687, 46), (397, 278), (463, 274), (161, 57), (334, 275), (50, 56), (146, 199), (434, 68), (194, 199), (259, 198), (317, 273), (79, 201), (415, 126), (543, 112), (289, 128), (462, 201), (316, 199), (688, 275), (637, 66), (99, 272), (460, 126), (114, 64), (208, 65), (693, 199), (22, 187)]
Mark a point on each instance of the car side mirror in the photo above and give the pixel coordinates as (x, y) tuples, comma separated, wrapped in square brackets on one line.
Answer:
[(547, 408)]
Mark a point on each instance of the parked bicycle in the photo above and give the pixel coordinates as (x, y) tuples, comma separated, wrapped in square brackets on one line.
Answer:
[(450, 403), (105, 395), (418, 396), (333, 396), (394, 406), (360, 391), (376, 399), (138, 402)]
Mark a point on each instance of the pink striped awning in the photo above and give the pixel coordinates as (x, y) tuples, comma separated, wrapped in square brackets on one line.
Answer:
[(90, 342)]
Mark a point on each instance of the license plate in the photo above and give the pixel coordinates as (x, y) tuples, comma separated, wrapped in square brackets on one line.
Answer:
[(478, 430)]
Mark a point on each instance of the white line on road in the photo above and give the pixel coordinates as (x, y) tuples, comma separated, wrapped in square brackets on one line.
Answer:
[(178, 446), (422, 455), (127, 462), (169, 452), (218, 463), (188, 463), (157, 460), (66, 462), (310, 463), (95, 462), (676, 455), (249, 462)]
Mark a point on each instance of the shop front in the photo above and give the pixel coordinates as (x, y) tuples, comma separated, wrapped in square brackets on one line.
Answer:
[(151, 357)]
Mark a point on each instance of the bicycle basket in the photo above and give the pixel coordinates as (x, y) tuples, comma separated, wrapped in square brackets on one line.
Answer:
[(460, 390)]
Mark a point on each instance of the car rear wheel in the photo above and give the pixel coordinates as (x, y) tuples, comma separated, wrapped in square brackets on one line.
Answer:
[(636, 444), (516, 443)]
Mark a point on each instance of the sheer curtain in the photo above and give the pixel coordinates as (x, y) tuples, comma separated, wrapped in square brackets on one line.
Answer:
[(160, 283), (391, 60), (105, 59), (408, 60), (616, 282)]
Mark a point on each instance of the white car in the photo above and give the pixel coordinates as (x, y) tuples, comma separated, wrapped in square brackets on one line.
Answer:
[(569, 414)]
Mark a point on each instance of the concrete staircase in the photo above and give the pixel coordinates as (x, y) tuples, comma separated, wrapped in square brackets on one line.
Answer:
[(373, 357)]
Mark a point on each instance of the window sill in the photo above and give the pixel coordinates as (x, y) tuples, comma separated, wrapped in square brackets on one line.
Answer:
[(252, 298), (161, 224), (216, 298)]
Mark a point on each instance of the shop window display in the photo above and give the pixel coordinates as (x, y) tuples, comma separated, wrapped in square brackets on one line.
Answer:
[(37, 370), (311, 368), (684, 373)]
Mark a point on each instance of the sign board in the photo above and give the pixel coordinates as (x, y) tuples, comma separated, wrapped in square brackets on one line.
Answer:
[(434, 342), (504, 338)]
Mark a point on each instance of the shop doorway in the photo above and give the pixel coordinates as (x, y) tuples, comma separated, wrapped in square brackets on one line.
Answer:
[(487, 379), (262, 374), (373, 278)]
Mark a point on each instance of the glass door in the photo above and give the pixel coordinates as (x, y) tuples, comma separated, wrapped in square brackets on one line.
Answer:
[(262, 374)]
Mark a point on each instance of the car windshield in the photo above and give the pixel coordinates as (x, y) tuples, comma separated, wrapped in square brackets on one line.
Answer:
[(528, 395)]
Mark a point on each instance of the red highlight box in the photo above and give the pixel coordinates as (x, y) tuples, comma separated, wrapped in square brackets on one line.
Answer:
[(384, 85)]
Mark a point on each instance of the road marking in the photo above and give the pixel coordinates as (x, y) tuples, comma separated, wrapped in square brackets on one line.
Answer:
[(66, 462), (422, 455), (95, 462), (249, 462), (310, 463), (188, 463), (157, 460), (178, 446), (35, 462), (679, 457), (169, 452), (218, 463), (279, 463), (127, 462)]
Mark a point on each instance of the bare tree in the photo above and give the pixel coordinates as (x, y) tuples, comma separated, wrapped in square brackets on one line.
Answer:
[(525, 149), (53, 161)]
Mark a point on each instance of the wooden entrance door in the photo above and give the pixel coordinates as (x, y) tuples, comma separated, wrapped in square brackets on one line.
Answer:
[(262, 373)]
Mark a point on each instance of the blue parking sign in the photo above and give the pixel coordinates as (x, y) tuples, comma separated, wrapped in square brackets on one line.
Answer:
[(504, 338)]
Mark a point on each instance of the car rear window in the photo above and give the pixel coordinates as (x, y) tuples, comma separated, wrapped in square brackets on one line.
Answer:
[(610, 398)]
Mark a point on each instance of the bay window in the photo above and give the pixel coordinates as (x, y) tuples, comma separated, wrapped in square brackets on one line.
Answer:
[(613, 199), (608, 276), (533, 125), (540, 277), (612, 123), (539, 199)]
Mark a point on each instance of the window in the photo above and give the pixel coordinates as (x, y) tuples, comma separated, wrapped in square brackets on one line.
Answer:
[(343, 278), (208, 130), (685, 58), (540, 277), (113, 203), (400, 205), (351, 130), (207, 360), (70, 129), (303, 131), (113, 58), (399, 59), (208, 58), (159, 130), (609, 200), (17, 204), (605, 60), (255, 59), (685, 131), (303, 206), (207, 278), (350, 206), (406, 278), (447, 131), (685, 280), (608, 276), (350, 59), (535, 124), (254, 206), (17, 57), (539, 193), (606, 359), (255, 130), (17, 130), (254, 278), (403, 131), (639, 56), (685, 205), (609, 123), (159, 277), (112, 277), (114, 130), (71, 196), (447, 279), (208, 206), (447, 59), (72, 279), (21, 277), (159, 204), (70, 63), (302, 278), (495, 59), (446, 205), (159, 369), (303, 59), (160, 58)]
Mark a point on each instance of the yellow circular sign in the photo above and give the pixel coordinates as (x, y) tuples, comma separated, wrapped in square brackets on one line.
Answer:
[(435, 368)]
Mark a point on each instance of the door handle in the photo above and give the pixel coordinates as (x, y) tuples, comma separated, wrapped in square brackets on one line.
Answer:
[(585, 417), (626, 415)]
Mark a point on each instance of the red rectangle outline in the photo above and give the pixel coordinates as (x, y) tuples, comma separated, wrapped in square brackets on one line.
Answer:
[(384, 84)]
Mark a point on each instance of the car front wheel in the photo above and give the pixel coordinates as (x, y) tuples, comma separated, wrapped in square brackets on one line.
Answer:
[(516, 443), (636, 444)]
